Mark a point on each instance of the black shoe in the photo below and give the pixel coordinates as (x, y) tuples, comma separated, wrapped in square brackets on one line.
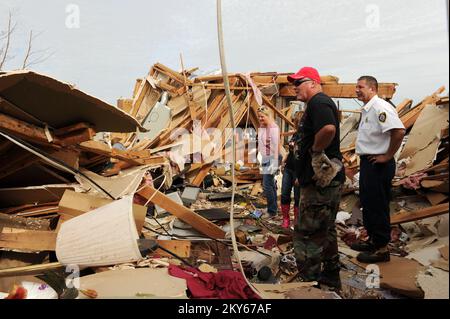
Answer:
[(362, 246), (374, 257), (332, 280)]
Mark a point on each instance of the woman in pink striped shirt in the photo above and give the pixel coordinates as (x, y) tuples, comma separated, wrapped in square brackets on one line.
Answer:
[(268, 147)]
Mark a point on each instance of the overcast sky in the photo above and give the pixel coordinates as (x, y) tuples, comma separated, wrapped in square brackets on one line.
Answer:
[(402, 41)]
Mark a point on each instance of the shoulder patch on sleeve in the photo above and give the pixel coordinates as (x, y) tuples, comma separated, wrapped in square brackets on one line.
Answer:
[(382, 117)]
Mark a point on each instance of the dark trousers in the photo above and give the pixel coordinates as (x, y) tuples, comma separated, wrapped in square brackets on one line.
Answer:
[(375, 194), (289, 177)]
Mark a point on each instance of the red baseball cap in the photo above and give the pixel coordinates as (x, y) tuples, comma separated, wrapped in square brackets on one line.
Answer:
[(305, 72)]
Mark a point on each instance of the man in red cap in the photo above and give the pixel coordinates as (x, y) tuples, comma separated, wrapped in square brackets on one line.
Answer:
[(320, 173)]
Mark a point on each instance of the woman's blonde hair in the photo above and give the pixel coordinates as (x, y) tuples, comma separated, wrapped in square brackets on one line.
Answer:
[(264, 110)]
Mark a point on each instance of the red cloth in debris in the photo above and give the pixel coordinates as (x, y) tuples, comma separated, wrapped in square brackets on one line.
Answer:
[(225, 284)]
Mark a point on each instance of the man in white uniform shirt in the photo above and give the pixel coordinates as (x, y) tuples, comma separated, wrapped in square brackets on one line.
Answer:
[(380, 135)]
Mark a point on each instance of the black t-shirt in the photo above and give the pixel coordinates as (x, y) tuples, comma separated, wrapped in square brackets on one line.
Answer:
[(320, 111)]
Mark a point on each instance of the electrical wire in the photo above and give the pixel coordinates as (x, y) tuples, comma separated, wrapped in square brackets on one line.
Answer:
[(233, 139)]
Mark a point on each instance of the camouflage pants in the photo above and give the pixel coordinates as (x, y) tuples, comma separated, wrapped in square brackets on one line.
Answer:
[(315, 238)]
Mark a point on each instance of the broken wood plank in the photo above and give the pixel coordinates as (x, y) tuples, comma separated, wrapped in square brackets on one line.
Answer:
[(182, 248), (436, 198), (201, 175), (35, 240), (197, 222), (409, 118), (257, 188), (404, 106), (404, 217), (25, 130), (77, 137)]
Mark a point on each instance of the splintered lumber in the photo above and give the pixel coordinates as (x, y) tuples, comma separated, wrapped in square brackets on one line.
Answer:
[(181, 248), (24, 130), (130, 156), (201, 175), (196, 221), (404, 217), (404, 106), (409, 118), (38, 135)]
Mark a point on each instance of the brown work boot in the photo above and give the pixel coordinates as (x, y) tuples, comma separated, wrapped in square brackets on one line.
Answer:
[(375, 256)]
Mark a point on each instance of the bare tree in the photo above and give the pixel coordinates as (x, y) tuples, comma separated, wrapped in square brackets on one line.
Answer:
[(32, 57), (6, 36)]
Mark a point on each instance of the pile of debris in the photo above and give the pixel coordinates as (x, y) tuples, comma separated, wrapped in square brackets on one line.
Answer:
[(135, 198)]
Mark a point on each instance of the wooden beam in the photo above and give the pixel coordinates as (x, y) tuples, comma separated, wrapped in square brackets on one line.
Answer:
[(343, 90), (171, 73), (77, 137), (405, 217), (24, 130), (277, 111), (196, 221)]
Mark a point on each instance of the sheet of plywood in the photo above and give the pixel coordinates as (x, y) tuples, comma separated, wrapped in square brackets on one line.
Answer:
[(399, 275), (436, 198), (135, 283), (77, 105), (424, 138), (434, 282)]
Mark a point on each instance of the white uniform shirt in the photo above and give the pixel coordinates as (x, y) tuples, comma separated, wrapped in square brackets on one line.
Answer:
[(377, 118)]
